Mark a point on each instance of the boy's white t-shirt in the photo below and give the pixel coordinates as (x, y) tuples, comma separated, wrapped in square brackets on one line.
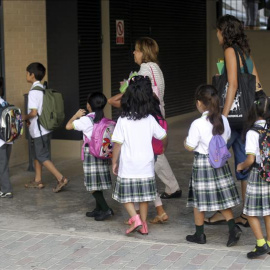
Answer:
[(252, 142), (200, 133), (1, 141), (137, 156), (35, 101), (85, 125)]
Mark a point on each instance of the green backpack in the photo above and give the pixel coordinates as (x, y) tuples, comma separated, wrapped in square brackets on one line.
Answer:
[(53, 115)]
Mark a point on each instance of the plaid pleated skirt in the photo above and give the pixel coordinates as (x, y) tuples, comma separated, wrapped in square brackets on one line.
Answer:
[(96, 172), (211, 189), (257, 200), (134, 189)]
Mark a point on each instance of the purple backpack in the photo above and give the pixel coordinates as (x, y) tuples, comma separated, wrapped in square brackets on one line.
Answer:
[(100, 144), (218, 152)]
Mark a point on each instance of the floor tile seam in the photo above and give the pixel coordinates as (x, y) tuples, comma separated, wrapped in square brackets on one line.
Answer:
[(143, 241)]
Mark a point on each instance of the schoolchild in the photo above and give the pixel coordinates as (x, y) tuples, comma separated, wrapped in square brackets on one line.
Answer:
[(5, 151), (133, 152), (35, 72), (257, 203), (210, 188), (97, 175)]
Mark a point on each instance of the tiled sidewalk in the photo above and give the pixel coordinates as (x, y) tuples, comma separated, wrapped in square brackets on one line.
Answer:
[(26, 250)]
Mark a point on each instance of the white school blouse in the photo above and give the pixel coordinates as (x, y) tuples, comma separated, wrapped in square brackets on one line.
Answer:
[(137, 156), (252, 141), (35, 101), (200, 133), (85, 125)]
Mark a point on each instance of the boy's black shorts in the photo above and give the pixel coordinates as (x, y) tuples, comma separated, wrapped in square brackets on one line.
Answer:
[(42, 152)]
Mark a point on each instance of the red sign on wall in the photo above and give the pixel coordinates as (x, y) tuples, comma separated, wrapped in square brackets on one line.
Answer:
[(120, 32)]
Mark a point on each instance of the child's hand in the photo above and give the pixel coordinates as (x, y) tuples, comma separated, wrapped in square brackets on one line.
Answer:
[(240, 167), (80, 113), (115, 168)]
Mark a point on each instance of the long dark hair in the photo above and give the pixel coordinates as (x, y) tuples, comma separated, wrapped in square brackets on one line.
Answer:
[(137, 101), (233, 33), (260, 108), (208, 95), (97, 101)]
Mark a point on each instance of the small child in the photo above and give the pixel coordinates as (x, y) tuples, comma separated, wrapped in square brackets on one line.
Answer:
[(5, 151), (35, 72), (133, 146), (97, 175), (257, 202), (210, 189)]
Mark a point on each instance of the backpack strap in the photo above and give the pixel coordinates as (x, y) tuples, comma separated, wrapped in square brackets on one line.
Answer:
[(155, 83), (38, 88), (91, 117)]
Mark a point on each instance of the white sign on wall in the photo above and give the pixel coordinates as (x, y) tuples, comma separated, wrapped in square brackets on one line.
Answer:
[(120, 32)]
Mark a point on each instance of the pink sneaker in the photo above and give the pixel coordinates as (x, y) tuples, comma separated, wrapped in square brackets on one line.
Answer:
[(136, 220), (144, 229)]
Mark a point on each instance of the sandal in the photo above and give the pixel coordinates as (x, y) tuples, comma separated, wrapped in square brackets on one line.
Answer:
[(244, 224), (62, 183), (209, 222), (176, 194), (159, 219), (34, 184)]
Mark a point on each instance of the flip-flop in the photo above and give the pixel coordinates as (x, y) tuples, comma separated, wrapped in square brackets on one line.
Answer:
[(209, 222)]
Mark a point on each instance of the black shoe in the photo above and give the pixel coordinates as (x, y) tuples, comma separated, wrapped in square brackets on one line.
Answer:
[(104, 215), (258, 251), (196, 239), (93, 213), (176, 194), (234, 236)]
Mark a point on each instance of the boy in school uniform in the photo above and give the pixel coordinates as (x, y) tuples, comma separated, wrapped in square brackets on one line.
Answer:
[(5, 151), (35, 72)]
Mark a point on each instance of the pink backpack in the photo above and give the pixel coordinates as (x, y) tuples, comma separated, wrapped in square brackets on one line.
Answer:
[(157, 144), (100, 144)]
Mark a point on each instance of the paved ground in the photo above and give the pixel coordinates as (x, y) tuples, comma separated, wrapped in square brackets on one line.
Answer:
[(43, 230)]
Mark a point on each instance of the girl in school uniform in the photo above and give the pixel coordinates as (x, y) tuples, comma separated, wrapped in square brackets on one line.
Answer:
[(210, 189), (96, 171), (257, 202), (134, 152)]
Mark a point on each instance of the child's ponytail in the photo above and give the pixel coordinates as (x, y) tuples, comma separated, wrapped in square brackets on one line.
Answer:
[(97, 102), (208, 95)]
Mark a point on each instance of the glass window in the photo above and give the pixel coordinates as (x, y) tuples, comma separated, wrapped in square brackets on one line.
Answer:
[(255, 14)]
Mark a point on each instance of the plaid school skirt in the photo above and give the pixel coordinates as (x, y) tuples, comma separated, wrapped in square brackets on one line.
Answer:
[(96, 172), (257, 200), (134, 189), (211, 189)]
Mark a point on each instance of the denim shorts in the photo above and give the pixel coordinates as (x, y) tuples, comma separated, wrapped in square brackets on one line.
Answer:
[(238, 147)]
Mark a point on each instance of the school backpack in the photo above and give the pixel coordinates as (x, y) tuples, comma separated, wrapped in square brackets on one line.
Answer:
[(53, 115), (157, 144), (218, 152), (264, 144), (11, 125), (100, 144)]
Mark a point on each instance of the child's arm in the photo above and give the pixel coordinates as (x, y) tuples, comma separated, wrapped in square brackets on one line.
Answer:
[(115, 158), (31, 115), (115, 101), (187, 147), (165, 143), (246, 164), (77, 115)]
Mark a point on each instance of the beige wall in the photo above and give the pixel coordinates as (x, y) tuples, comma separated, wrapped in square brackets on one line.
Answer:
[(24, 42), (259, 43)]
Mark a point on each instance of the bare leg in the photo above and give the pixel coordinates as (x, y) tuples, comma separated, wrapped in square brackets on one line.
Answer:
[(267, 226), (198, 217), (256, 227), (51, 168), (130, 209), (227, 213), (243, 192), (143, 210), (38, 170)]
